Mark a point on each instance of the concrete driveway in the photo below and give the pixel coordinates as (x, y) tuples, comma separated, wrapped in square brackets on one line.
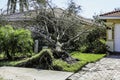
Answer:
[(16, 73), (107, 68)]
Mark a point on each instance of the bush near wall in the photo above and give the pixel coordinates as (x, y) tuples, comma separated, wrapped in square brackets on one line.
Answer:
[(14, 41), (95, 42)]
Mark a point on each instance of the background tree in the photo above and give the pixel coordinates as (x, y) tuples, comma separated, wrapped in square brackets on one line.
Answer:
[(73, 8), (23, 5), (12, 5)]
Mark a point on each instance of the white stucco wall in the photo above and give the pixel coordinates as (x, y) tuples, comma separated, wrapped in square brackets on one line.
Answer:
[(117, 38), (110, 45)]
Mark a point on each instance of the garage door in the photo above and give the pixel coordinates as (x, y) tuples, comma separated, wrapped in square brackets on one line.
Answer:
[(117, 37)]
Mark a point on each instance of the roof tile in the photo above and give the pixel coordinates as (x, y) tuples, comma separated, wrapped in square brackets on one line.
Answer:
[(112, 14)]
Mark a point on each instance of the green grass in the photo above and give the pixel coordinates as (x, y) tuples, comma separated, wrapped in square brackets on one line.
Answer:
[(62, 65), (69, 67), (88, 57), (84, 59)]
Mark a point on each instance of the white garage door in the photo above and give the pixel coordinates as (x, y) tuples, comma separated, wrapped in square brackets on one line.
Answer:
[(117, 37)]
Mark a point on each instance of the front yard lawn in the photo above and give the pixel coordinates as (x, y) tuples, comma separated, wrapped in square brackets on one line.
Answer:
[(84, 59), (59, 64)]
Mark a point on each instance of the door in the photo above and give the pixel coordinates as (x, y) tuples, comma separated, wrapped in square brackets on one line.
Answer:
[(117, 37)]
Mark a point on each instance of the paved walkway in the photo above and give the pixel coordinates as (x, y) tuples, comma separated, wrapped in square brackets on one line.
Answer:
[(106, 69), (15, 73)]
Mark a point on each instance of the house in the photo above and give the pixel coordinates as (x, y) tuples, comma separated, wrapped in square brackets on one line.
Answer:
[(29, 15), (112, 20)]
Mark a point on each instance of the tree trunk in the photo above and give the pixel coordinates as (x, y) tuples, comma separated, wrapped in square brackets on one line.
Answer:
[(59, 53), (58, 46)]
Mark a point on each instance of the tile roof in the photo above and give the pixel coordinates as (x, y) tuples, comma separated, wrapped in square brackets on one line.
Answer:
[(112, 14), (28, 15)]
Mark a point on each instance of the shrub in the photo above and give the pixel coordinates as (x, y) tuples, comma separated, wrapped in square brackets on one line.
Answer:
[(99, 47), (13, 41), (95, 42)]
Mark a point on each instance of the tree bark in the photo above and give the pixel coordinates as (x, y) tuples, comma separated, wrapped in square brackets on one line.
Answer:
[(59, 53)]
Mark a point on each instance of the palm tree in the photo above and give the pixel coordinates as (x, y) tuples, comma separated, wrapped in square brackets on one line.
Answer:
[(12, 5), (23, 5)]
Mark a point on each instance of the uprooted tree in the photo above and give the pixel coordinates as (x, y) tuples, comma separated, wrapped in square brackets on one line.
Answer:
[(61, 29), (41, 60)]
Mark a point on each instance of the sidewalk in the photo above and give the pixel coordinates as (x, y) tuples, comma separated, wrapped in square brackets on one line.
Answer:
[(15, 73)]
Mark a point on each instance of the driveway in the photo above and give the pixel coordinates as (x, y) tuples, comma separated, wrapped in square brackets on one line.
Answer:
[(106, 69), (16, 73)]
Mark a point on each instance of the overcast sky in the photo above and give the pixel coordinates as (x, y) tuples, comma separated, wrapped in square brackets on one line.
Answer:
[(89, 7)]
